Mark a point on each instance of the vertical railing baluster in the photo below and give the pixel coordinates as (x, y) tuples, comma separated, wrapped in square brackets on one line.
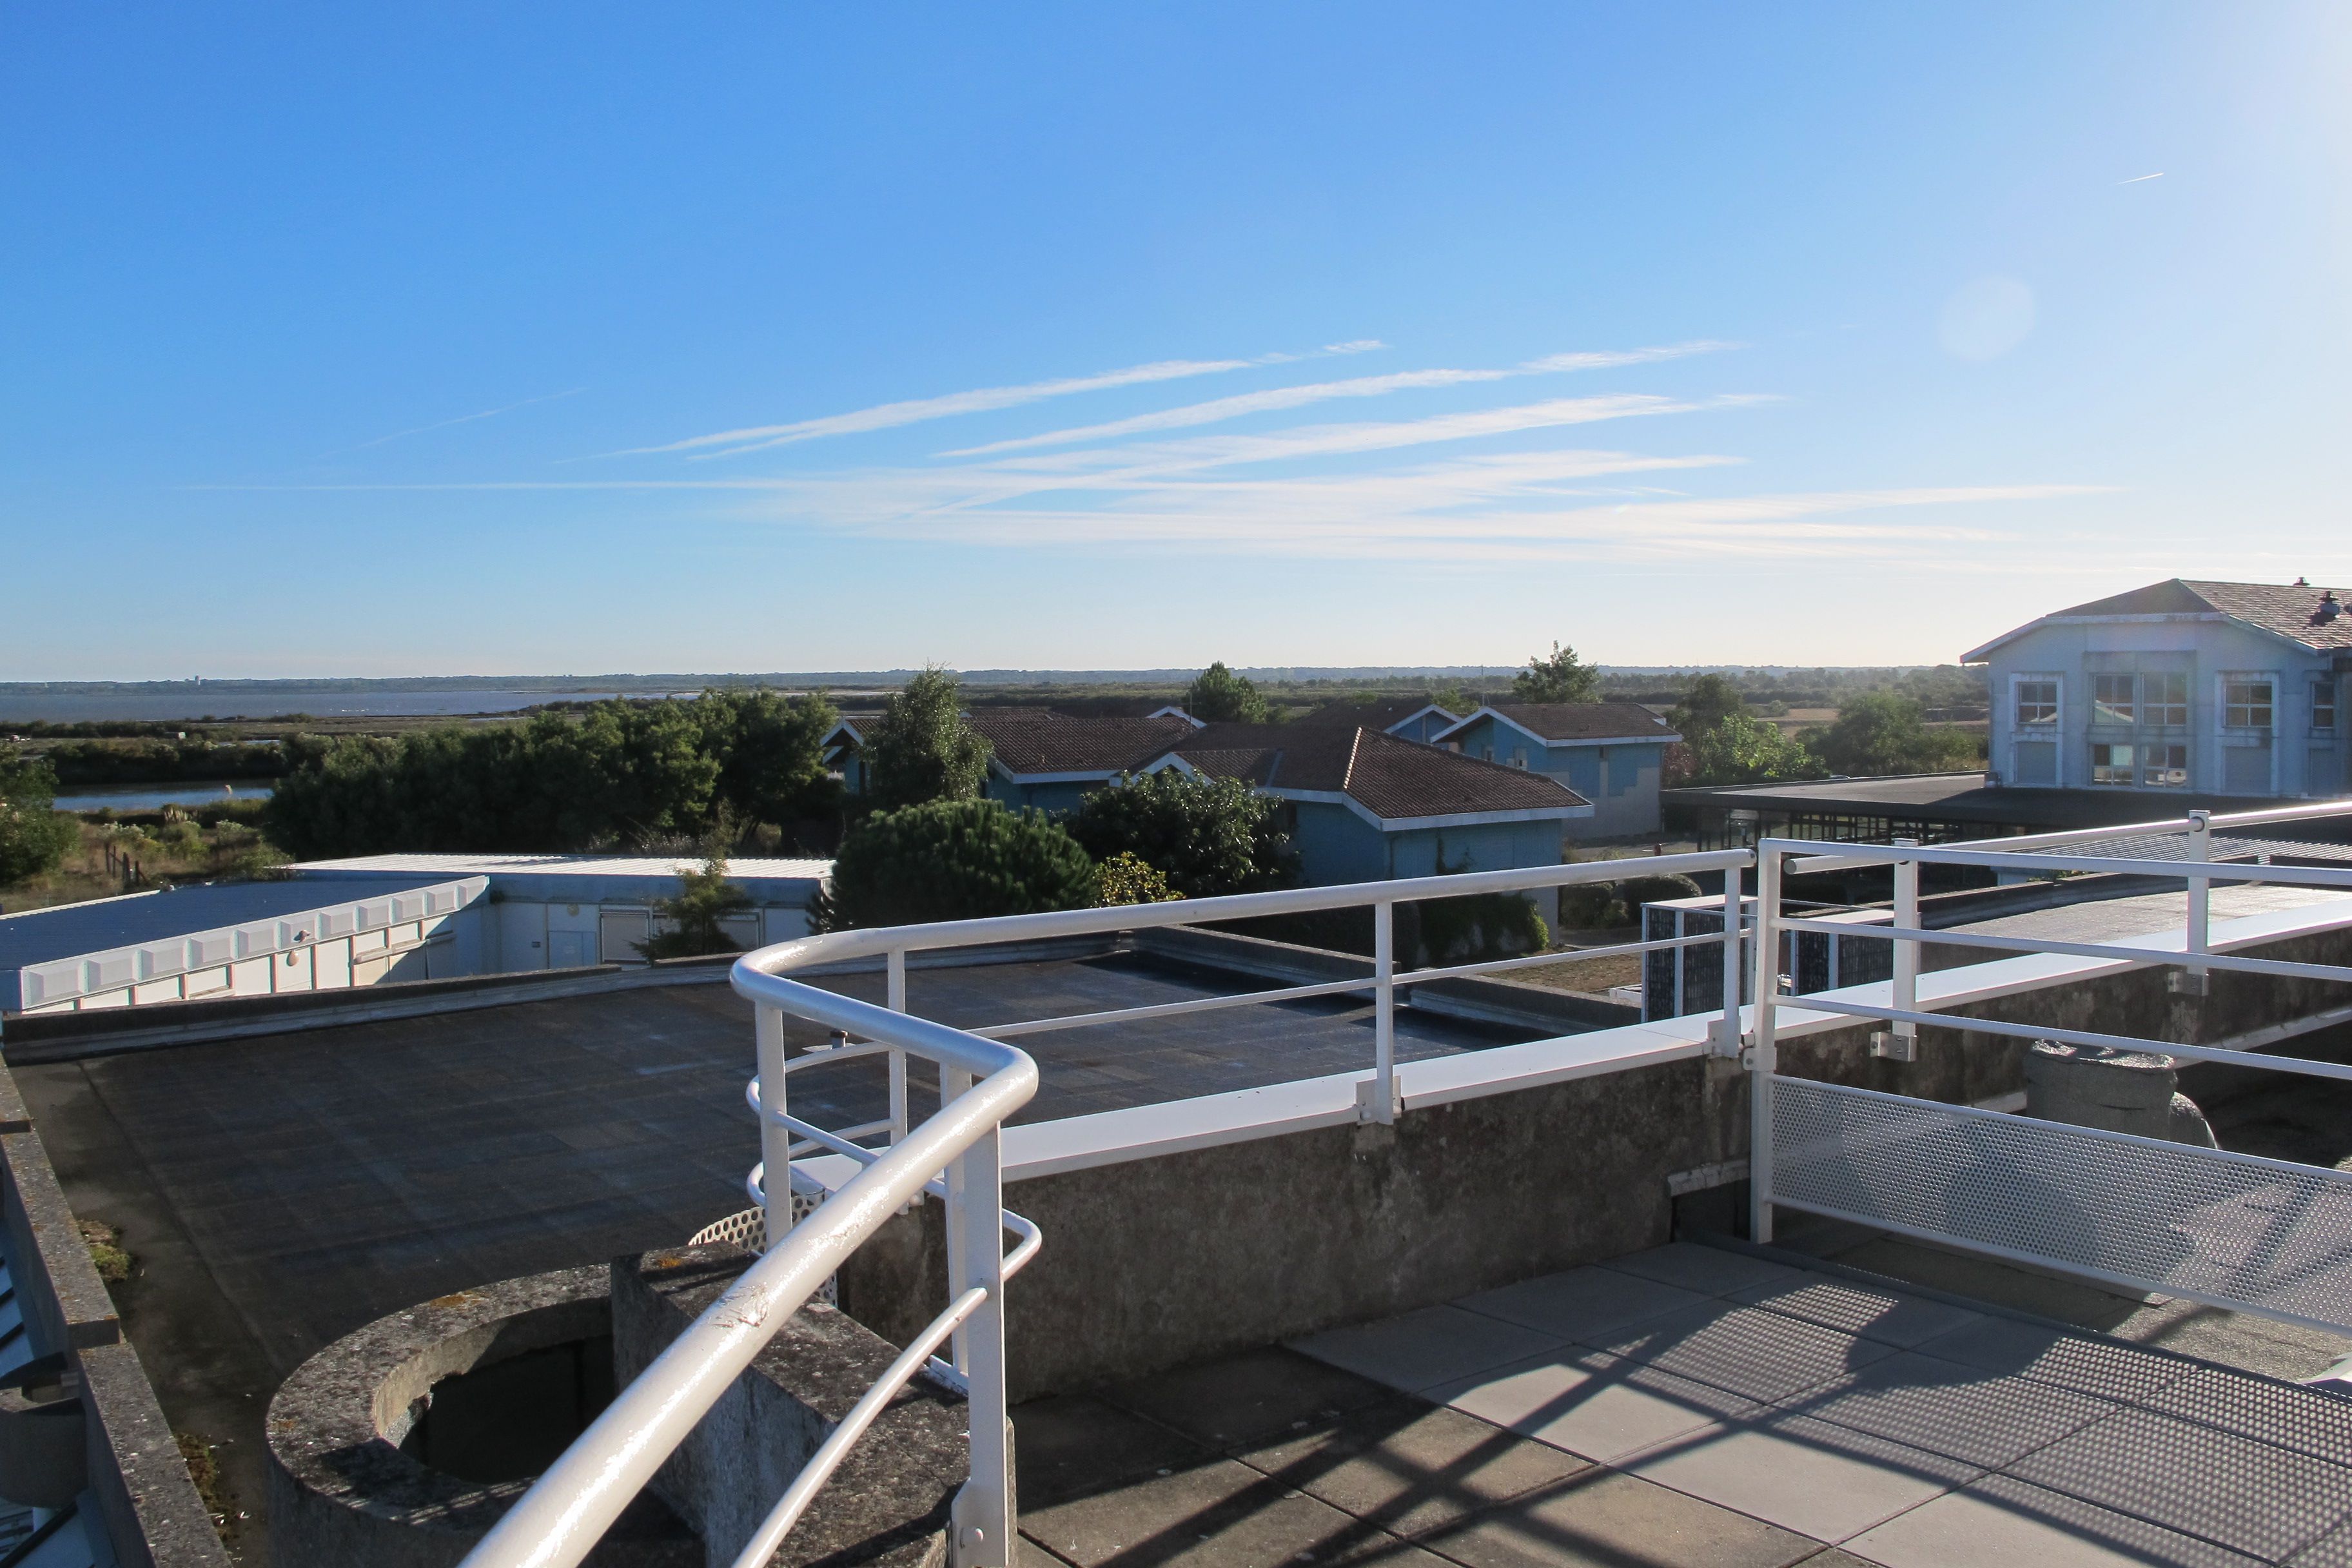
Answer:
[(1727, 1028), (1762, 1058), (1384, 1091), (983, 1514), (953, 1083), (1904, 1045), (897, 999), (775, 1139), (2200, 901)]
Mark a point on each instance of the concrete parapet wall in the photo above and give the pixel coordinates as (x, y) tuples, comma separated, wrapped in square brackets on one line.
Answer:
[(148, 1508), (1153, 1263), (887, 1504), (1489, 999)]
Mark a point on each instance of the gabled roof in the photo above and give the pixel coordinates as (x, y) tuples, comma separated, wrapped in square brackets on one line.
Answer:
[(1390, 778), (1584, 721), (1385, 715), (2289, 611), (1029, 741)]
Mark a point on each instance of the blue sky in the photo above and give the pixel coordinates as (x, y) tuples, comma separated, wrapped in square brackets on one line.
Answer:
[(600, 338)]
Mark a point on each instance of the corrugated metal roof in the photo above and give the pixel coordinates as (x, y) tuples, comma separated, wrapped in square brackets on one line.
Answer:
[(742, 869), (66, 930)]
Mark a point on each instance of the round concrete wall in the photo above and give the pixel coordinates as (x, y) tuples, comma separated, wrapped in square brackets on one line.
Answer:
[(343, 1491)]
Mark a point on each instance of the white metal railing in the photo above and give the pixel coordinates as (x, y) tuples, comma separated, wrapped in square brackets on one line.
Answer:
[(1857, 1171), (955, 1155)]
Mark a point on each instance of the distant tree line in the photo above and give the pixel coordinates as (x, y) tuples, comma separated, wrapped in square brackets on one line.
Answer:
[(1877, 732), (624, 773), (163, 760)]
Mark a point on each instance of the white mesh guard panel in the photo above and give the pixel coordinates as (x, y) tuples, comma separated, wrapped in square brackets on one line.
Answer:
[(2234, 1230)]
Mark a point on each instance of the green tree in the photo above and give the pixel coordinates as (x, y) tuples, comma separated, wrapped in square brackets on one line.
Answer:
[(1562, 678), (34, 835), (705, 898), (1883, 732), (771, 753), (1208, 836), (1709, 701), (951, 860), (1127, 878), (1738, 750), (923, 750), (1217, 695)]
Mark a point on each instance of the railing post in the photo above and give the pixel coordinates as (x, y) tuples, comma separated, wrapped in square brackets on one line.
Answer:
[(1726, 1042), (983, 1512), (897, 969), (2196, 978), (1760, 1056), (775, 1139), (1381, 1103), (1900, 1041), (954, 1082)]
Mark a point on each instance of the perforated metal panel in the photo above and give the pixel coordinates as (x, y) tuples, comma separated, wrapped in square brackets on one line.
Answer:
[(2260, 1235)]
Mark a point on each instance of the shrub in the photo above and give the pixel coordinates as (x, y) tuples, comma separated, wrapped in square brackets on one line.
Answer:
[(951, 860), (705, 898), (1590, 906), (1478, 927), (1217, 693), (923, 750), (33, 838), (1635, 891), (1126, 880), (1208, 836)]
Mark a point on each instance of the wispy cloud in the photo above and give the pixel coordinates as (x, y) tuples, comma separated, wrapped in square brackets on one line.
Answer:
[(2135, 179), (914, 411), (1285, 397), (460, 419)]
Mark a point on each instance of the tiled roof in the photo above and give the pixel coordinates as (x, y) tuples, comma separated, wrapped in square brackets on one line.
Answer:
[(1370, 715), (2288, 610), (1040, 741), (1585, 720), (1387, 776)]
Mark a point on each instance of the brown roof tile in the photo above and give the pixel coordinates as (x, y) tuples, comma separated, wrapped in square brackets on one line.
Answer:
[(2288, 610), (1586, 721), (1039, 741), (1390, 776)]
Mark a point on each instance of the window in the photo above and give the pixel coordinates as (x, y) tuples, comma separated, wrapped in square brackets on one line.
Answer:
[(2167, 701), (2111, 698), (2037, 700), (2323, 707), (2110, 764), (2246, 702), (2163, 767), (1518, 756)]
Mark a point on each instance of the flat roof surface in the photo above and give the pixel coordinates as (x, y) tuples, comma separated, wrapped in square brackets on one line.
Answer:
[(1962, 797), (745, 867), (65, 931)]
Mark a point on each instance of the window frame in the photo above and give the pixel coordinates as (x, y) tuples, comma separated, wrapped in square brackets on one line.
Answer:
[(2018, 723), (2155, 714), (2105, 711), (2322, 697), (2268, 706), (2128, 768), (2148, 767)]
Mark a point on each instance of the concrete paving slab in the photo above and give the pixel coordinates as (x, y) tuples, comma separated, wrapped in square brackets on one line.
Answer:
[(1582, 1301), (2106, 1368), (2234, 1491), (1410, 1467), (1855, 1309), (1218, 1515), (1248, 1397), (1709, 1270), (1826, 1481), (1948, 1408), (1072, 1445), (1435, 1344), (1591, 1404), (1997, 1521), (1604, 1519), (1746, 1350), (2314, 1421)]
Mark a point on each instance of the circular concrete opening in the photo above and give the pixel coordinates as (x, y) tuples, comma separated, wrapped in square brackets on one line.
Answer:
[(402, 1444)]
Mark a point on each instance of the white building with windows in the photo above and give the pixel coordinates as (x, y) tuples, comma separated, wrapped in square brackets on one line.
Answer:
[(2234, 689)]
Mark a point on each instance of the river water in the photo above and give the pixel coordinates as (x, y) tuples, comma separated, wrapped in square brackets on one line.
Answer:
[(154, 798), (193, 702)]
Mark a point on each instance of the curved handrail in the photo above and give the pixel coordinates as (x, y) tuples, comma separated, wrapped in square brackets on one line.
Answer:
[(569, 1508)]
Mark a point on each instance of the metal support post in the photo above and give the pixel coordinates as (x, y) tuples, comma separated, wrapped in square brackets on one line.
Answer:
[(2195, 979), (1901, 1043), (1727, 1040), (1381, 1105), (775, 1139), (1760, 1056), (898, 1000), (954, 1082), (983, 1512)]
